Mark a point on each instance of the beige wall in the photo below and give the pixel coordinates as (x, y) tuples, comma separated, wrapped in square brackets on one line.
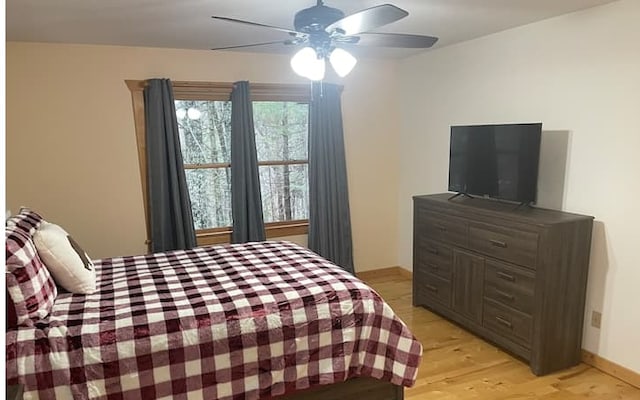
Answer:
[(580, 74), (71, 150)]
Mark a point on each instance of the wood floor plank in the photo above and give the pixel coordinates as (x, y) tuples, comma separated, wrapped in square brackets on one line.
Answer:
[(458, 365)]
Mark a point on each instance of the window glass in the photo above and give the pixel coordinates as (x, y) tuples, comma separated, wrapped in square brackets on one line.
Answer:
[(210, 193), (205, 131), (285, 192), (281, 130)]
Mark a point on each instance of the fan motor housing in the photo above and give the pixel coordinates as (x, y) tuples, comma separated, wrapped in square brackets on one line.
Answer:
[(316, 18)]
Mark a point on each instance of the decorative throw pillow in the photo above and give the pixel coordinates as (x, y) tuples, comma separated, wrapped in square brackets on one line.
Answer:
[(29, 284), (70, 266)]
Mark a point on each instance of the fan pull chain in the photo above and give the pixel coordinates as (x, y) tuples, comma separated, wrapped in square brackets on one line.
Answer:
[(321, 83)]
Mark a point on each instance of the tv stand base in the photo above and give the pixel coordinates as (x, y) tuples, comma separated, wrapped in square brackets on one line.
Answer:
[(460, 194)]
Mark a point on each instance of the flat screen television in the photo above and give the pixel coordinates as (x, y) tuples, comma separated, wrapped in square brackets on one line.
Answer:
[(496, 161)]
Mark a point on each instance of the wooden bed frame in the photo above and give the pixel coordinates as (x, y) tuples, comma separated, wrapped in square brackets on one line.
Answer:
[(353, 389)]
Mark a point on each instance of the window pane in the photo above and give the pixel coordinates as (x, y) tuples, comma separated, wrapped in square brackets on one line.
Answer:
[(281, 130), (205, 131), (285, 192), (210, 192)]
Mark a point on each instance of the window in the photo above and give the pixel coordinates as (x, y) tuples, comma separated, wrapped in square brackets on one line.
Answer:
[(281, 121), (281, 141)]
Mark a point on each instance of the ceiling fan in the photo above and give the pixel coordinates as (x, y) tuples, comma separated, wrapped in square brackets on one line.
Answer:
[(322, 30)]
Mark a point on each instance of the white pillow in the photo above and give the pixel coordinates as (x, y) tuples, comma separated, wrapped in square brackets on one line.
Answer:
[(69, 265)]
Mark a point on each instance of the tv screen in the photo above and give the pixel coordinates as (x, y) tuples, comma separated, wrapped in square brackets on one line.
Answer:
[(498, 161)]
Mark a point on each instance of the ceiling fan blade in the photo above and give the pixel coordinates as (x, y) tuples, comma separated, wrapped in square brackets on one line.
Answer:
[(397, 40), (240, 21), (254, 44), (367, 19)]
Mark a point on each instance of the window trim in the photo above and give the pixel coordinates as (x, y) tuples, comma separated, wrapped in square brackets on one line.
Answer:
[(221, 91)]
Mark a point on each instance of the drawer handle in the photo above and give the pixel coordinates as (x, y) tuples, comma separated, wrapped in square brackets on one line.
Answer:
[(433, 251), (432, 288), (505, 295), (433, 267), (506, 276), (504, 322), (441, 227), (498, 243)]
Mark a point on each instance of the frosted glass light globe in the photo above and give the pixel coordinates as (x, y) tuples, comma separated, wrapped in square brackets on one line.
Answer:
[(307, 64), (342, 62)]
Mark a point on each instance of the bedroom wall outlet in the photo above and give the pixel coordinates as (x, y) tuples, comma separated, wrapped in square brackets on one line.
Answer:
[(596, 319)]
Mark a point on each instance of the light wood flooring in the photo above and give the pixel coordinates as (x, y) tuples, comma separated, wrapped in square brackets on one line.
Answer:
[(458, 365)]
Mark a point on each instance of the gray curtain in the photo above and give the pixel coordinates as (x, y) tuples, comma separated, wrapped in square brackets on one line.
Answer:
[(329, 217), (246, 202), (170, 215)]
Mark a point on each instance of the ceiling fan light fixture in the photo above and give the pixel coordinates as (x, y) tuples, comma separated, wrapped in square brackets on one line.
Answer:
[(342, 61), (307, 64), (321, 28)]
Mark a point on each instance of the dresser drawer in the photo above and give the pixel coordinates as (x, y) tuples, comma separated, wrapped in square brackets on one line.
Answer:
[(432, 287), (433, 252), (442, 227), (519, 247), (509, 285), (433, 257), (509, 323), (426, 265)]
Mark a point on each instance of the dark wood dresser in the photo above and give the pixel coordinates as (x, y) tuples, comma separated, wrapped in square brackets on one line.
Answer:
[(515, 276)]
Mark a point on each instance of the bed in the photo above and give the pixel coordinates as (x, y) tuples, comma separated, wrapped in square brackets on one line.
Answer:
[(247, 321)]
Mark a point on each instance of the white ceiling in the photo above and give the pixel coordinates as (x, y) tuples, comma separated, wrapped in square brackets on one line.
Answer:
[(187, 24)]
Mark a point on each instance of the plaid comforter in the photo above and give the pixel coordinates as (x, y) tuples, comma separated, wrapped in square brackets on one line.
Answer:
[(225, 322)]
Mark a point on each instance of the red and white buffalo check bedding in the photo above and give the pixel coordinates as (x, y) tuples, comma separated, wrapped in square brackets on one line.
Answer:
[(226, 322)]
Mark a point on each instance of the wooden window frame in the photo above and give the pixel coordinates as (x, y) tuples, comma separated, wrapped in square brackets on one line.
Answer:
[(216, 91)]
